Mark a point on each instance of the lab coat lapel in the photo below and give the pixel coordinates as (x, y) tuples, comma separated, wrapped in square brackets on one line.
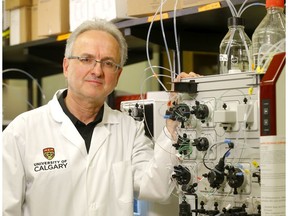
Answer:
[(101, 131), (69, 131), (67, 128), (99, 136)]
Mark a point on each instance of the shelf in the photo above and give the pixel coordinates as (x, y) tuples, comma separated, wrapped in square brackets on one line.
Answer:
[(44, 57), (39, 58), (196, 31)]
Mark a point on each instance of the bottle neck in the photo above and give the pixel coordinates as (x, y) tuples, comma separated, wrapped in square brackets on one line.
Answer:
[(236, 27), (273, 10)]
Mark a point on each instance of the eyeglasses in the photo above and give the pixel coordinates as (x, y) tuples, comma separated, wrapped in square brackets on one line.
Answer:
[(107, 66)]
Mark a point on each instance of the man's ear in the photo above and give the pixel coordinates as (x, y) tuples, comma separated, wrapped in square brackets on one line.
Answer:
[(119, 73), (65, 65)]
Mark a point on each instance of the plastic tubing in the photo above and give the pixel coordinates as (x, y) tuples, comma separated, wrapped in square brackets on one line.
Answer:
[(239, 11), (141, 93), (176, 39), (227, 49), (246, 115), (246, 48), (232, 8), (161, 83), (247, 112), (241, 149), (268, 52), (161, 67), (152, 76), (243, 143), (267, 62), (183, 148), (29, 104), (247, 6), (210, 147), (27, 74), (274, 49), (224, 93), (164, 35), (147, 45), (141, 90), (274, 46)]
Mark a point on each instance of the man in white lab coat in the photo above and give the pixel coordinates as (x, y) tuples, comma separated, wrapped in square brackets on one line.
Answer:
[(76, 156)]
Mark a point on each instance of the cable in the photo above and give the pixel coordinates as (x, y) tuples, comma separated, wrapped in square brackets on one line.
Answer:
[(203, 159), (184, 148), (227, 153), (226, 141), (208, 150)]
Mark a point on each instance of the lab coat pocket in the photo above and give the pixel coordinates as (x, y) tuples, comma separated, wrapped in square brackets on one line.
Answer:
[(122, 172)]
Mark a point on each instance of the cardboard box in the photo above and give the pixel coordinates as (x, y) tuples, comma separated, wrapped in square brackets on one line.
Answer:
[(78, 12), (81, 10), (20, 25), (108, 9), (5, 18), (192, 3), (5, 25), (12, 4), (53, 17), (34, 23), (143, 8)]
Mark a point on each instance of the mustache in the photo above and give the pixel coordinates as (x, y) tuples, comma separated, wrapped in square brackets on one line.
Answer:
[(94, 79)]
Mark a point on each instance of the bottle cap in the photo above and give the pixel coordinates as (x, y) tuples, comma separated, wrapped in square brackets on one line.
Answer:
[(275, 3), (235, 21)]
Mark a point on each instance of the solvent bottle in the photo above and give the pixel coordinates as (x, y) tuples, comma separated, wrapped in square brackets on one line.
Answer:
[(234, 50), (269, 36)]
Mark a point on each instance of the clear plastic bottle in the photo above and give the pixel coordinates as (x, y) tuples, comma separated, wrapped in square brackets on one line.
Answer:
[(234, 50), (269, 37)]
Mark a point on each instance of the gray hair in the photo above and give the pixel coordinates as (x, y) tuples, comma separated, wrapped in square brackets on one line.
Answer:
[(102, 25)]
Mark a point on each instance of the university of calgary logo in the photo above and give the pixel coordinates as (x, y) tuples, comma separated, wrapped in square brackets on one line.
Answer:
[(49, 153)]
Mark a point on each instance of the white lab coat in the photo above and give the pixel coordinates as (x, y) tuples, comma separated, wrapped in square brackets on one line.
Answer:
[(120, 163)]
